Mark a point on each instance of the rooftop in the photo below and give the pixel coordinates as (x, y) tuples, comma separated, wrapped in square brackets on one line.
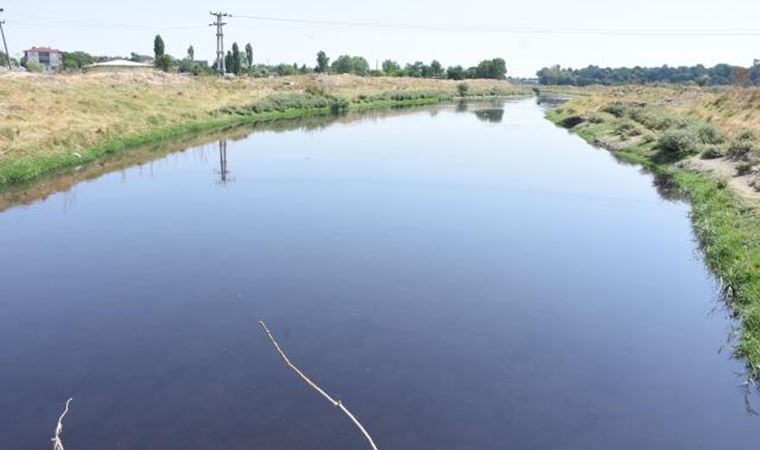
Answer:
[(120, 63), (43, 49)]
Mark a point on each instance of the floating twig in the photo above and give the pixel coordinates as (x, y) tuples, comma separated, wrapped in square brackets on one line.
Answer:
[(57, 442), (311, 384)]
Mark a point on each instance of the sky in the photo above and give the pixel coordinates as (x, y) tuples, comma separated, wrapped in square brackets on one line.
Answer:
[(528, 34)]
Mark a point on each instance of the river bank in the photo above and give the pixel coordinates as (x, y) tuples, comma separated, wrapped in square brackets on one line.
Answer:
[(703, 142), (53, 122)]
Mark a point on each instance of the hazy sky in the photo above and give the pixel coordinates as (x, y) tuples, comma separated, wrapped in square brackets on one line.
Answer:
[(582, 32)]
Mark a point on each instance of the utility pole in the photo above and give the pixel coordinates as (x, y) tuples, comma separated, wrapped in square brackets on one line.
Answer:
[(219, 24), (5, 44)]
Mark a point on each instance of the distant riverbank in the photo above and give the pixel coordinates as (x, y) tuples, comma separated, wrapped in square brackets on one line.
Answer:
[(705, 144), (53, 122)]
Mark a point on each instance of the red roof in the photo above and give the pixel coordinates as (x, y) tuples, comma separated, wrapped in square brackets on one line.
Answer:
[(43, 49)]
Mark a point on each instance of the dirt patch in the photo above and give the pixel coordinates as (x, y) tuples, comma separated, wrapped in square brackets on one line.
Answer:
[(726, 168)]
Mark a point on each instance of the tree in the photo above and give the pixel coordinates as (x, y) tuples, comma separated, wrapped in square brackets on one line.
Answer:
[(360, 66), (134, 57), (436, 69), (164, 62), (414, 70), (158, 46), (455, 73), (391, 68), (3, 60), (76, 60), (343, 64), (191, 53), (495, 68), (323, 62), (742, 77), (249, 54), (236, 66), (228, 62)]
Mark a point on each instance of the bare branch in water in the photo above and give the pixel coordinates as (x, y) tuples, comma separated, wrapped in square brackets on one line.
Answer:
[(57, 442), (314, 386)]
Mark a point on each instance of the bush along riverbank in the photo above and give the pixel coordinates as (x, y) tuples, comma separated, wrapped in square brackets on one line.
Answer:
[(279, 106), (726, 219)]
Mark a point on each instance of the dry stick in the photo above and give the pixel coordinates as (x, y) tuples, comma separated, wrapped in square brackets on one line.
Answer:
[(57, 442), (313, 385)]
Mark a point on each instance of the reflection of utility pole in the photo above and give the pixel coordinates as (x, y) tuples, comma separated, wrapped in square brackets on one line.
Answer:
[(223, 172), (5, 44), (219, 24)]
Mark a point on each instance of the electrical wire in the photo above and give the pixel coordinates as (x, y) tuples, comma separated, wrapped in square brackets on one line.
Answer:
[(514, 29)]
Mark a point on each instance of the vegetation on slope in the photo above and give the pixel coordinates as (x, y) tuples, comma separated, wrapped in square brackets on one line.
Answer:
[(50, 122), (666, 138)]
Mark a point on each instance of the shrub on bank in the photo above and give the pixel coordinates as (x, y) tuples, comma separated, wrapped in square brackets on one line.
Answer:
[(740, 149), (616, 109), (655, 120), (463, 89), (572, 121), (709, 134), (627, 130), (712, 152), (679, 142), (745, 168)]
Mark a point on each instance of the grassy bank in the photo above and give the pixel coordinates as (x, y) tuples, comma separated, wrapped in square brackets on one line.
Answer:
[(53, 122), (670, 139)]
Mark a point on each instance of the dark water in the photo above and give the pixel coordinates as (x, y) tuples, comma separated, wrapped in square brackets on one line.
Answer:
[(466, 277)]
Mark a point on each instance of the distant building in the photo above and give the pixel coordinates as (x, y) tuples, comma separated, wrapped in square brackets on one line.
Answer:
[(50, 58), (118, 65)]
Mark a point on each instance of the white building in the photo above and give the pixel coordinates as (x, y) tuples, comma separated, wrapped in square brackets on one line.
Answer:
[(50, 58)]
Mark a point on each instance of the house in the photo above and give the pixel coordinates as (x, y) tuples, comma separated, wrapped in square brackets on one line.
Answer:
[(50, 58), (118, 65)]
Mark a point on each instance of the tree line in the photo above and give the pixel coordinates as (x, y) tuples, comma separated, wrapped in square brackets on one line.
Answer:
[(494, 68), (721, 74), (240, 61)]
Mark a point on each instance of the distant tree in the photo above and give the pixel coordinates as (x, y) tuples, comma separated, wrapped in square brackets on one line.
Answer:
[(33, 66), (414, 70), (158, 46), (249, 54), (286, 69), (323, 62), (3, 59), (76, 60), (134, 57), (436, 69), (191, 53), (721, 74), (228, 64), (455, 73), (164, 62), (742, 76), (344, 64), (494, 68), (391, 68), (360, 65), (236, 66)]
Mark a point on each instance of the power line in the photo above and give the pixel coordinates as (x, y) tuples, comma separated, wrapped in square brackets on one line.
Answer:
[(515, 29)]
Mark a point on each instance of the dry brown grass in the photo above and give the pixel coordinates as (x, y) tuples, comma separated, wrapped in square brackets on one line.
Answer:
[(44, 114), (730, 109)]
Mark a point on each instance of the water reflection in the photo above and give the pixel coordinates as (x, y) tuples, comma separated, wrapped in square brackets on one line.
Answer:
[(491, 115), (223, 171)]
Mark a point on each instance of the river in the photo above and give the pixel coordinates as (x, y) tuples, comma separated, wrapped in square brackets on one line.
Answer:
[(460, 276)]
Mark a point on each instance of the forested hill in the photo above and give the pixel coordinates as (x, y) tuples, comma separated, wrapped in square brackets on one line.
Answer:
[(722, 74)]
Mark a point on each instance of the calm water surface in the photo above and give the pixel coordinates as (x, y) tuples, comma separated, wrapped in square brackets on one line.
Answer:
[(462, 277)]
